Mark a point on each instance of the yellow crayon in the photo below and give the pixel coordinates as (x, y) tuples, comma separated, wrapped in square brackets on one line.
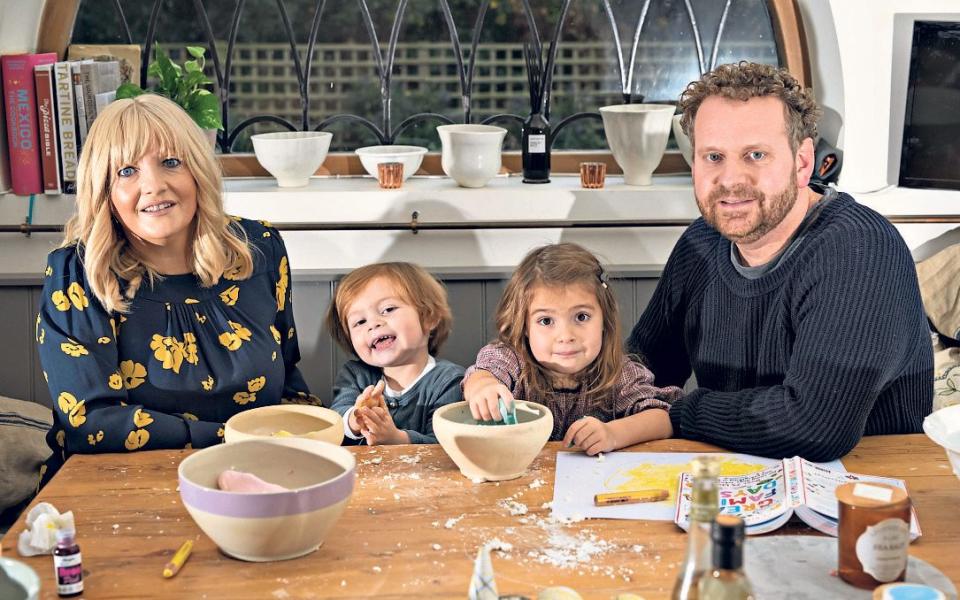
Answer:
[(630, 497), (176, 563)]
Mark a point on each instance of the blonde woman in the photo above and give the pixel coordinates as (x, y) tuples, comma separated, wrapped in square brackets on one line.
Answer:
[(161, 316)]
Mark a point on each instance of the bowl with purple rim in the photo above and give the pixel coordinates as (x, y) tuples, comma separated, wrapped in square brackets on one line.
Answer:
[(268, 526)]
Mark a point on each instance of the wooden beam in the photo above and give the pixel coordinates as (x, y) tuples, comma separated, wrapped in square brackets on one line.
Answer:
[(56, 26)]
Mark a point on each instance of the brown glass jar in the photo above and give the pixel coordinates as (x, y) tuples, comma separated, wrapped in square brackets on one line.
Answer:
[(874, 533)]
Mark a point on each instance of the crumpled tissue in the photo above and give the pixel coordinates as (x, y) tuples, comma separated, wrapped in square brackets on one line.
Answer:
[(40, 536), (482, 584)]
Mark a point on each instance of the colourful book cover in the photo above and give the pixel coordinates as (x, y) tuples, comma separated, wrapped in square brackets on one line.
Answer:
[(20, 102), (67, 127), (47, 118)]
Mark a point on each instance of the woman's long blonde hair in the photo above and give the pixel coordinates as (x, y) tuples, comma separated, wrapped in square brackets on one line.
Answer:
[(559, 266), (120, 136)]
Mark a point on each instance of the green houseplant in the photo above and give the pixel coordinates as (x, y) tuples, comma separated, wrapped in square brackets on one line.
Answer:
[(186, 85)]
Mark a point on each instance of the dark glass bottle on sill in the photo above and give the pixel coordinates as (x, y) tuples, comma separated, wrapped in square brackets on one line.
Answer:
[(535, 151)]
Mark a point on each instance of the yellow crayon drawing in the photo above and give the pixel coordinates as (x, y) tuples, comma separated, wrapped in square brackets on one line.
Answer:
[(659, 476)]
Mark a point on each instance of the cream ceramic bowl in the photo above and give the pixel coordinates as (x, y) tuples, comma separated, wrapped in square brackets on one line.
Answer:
[(637, 135), (291, 156), (269, 526), (24, 575), (943, 427), (471, 154), (410, 156), (683, 142), (278, 420), (492, 452)]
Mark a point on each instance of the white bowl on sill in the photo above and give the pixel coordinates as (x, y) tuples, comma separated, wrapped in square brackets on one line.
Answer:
[(471, 153), (637, 135), (410, 156), (291, 156)]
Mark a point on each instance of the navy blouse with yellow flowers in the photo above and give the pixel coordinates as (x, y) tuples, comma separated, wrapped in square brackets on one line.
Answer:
[(170, 372)]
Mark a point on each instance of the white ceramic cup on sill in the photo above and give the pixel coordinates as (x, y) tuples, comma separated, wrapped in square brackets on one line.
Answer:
[(471, 153), (291, 156), (637, 135)]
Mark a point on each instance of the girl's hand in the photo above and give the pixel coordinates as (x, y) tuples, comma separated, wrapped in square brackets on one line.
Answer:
[(482, 392), (380, 428), (370, 397), (590, 435)]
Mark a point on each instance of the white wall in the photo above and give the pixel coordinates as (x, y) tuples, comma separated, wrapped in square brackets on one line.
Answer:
[(19, 23)]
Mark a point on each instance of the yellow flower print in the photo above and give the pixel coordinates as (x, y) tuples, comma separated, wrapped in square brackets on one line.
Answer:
[(40, 332), (93, 439), (290, 334), (266, 234), (265, 223), (230, 295), (74, 349), (133, 373), (242, 398), (190, 416), (190, 348), (60, 301), (235, 218), (232, 273), (220, 432), (116, 381), (273, 356), (46, 377), (201, 318), (142, 418), (103, 340), (172, 352), (136, 439), (43, 471), (167, 304), (282, 284), (256, 384), (61, 437), (113, 327), (233, 340), (48, 272), (276, 334), (191, 301), (75, 410), (207, 383), (77, 296)]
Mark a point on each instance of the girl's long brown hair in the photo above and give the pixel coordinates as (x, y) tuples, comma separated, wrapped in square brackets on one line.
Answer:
[(560, 266)]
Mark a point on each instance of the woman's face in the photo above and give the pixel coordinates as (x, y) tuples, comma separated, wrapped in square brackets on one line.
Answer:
[(155, 198)]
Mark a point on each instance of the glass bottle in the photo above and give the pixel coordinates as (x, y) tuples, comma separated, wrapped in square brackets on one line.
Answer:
[(67, 564), (535, 153), (704, 506), (727, 580)]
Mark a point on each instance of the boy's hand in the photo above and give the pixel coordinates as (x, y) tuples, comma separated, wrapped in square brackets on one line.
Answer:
[(590, 435), (370, 397), (482, 392), (380, 428)]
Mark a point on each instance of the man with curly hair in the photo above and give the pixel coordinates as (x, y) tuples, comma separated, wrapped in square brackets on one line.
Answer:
[(796, 308)]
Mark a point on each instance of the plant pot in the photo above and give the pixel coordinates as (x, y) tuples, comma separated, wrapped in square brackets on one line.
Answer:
[(637, 135), (471, 153)]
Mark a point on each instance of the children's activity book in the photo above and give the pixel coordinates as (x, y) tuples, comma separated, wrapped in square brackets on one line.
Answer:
[(766, 499), (579, 477)]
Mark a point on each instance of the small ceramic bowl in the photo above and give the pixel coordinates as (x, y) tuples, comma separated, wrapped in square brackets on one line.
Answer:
[(22, 574), (410, 156), (943, 427), (285, 420), (492, 452), (683, 142), (269, 526), (291, 156)]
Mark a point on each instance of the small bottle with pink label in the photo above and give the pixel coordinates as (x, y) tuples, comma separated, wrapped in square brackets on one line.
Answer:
[(67, 566)]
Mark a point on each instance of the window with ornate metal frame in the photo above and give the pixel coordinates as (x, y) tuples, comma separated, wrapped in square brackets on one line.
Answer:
[(59, 18)]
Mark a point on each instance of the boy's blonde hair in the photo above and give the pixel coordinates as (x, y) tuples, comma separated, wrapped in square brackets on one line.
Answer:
[(559, 266), (413, 283), (120, 136)]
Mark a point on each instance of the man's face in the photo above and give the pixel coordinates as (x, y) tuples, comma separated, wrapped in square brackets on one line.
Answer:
[(744, 172)]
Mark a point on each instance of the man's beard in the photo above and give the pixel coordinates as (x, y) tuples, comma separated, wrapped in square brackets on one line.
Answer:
[(765, 215)]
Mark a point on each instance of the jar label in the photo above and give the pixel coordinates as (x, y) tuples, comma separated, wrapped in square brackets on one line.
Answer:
[(69, 572), (537, 143), (882, 549)]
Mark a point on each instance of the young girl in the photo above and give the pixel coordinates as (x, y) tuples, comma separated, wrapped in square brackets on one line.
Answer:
[(559, 345), (393, 317)]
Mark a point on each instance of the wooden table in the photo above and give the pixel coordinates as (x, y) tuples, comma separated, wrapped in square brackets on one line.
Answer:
[(413, 527)]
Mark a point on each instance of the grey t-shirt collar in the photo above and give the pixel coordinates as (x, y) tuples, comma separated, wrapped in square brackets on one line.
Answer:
[(768, 267)]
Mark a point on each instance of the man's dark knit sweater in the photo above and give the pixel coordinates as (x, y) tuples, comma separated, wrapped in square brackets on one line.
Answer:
[(829, 346)]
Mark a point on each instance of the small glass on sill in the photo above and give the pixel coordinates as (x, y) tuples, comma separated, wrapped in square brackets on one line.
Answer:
[(390, 175), (592, 175)]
